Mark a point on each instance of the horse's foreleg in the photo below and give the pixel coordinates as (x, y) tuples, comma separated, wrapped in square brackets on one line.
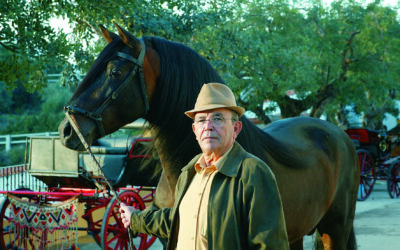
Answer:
[(336, 236), (297, 245), (327, 241), (164, 196)]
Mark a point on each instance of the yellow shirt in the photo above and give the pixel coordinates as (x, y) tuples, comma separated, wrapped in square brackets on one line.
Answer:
[(193, 208)]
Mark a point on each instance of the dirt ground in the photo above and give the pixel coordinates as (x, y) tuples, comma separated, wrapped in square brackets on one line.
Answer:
[(377, 224)]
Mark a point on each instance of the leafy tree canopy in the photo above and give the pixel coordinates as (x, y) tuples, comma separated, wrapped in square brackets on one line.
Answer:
[(28, 44), (329, 56), (346, 54)]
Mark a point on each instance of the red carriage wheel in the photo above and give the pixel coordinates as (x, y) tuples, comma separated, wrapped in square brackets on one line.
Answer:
[(94, 211), (393, 180), (367, 174), (113, 233), (11, 238)]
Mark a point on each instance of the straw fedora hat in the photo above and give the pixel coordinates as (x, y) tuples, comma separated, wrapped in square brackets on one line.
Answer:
[(213, 96)]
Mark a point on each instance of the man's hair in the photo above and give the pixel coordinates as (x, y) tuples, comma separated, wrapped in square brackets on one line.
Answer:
[(235, 116)]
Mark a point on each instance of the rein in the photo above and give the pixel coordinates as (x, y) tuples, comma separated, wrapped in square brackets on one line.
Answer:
[(87, 147), (97, 115)]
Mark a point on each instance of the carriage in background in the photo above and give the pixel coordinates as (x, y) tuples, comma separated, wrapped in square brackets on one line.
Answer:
[(72, 177), (379, 158)]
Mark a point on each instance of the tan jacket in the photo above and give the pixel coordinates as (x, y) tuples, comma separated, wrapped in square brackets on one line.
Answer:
[(244, 209)]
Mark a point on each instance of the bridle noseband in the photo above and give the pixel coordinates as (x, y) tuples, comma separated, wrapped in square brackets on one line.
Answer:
[(97, 115)]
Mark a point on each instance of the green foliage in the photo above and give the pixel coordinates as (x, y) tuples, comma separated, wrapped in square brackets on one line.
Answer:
[(15, 156), (18, 100), (345, 54), (6, 98), (44, 116), (28, 43), (31, 123), (54, 99), (327, 56)]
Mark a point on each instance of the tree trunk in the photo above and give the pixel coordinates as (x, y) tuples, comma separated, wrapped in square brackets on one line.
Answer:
[(292, 107)]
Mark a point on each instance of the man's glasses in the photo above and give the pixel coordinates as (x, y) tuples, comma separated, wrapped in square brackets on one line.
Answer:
[(216, 121)]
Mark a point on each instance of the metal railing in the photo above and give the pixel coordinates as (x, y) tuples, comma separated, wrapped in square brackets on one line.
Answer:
[(17, 178), (7, 141)]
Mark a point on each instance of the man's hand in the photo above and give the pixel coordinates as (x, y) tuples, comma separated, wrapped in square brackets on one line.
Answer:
[(126, 212)]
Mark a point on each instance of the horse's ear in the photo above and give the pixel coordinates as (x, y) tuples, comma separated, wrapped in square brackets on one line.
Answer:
[(127, 37), (108, 35)]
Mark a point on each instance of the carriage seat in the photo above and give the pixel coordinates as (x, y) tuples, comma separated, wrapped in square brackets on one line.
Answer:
[(111, 146), (111, 153)]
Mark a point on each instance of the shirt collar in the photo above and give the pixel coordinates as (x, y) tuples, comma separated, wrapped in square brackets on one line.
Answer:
[(201, 163), (229, 166)]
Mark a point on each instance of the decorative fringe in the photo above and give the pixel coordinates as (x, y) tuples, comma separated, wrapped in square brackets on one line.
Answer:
[(43, 226)]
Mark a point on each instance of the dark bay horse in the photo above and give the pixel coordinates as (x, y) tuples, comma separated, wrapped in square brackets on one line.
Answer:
[(314, 162)]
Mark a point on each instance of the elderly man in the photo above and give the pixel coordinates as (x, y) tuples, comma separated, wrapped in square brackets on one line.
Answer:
[(225, 197)]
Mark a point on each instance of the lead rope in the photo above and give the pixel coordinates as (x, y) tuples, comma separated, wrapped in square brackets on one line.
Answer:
[(87, 147)]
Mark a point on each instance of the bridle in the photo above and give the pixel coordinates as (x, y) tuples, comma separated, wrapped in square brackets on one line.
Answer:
[(97, 114)]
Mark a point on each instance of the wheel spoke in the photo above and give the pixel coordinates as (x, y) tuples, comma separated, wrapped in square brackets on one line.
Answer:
[(93, 211), (113, 233), (393, 180), (367, 174)]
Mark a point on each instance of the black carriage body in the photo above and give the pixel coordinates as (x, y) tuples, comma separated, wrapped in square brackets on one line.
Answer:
[(369, 140), (376, 160)]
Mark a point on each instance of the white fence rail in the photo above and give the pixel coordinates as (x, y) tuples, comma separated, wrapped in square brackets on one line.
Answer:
[(7, 141), (17, 177)]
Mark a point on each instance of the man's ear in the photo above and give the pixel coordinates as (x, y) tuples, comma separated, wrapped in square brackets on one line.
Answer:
[(237, 127)]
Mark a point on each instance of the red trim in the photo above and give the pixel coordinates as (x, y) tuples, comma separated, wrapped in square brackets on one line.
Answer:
[(7, 171), (363, 135), (132, 156)]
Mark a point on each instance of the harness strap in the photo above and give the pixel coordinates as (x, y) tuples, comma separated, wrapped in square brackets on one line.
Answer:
[(139, 62), (112, 189), (94, 116), (130, 58)]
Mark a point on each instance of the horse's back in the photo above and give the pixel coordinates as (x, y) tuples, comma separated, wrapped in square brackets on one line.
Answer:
[(326, 173), (315, 144), (303, 134)]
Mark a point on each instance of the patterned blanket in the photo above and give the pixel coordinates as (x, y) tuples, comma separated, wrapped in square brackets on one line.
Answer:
[(42, 225)]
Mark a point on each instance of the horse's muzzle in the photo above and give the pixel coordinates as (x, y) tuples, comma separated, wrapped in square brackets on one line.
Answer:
[(68, 136)]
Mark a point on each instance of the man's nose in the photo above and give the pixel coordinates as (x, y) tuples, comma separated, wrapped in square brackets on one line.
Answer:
[(209, 125)]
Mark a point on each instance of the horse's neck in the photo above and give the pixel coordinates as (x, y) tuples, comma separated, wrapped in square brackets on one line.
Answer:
[(166, 185)]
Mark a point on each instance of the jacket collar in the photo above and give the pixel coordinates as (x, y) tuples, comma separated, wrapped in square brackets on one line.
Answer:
[(230, 164)]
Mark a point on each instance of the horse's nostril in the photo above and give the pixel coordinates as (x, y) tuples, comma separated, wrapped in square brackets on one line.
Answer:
[(67, 131)]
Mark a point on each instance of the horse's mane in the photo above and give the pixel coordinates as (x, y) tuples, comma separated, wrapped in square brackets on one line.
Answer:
[(183, 72)]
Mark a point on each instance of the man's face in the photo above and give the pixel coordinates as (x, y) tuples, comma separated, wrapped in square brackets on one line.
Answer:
[(215, 130)]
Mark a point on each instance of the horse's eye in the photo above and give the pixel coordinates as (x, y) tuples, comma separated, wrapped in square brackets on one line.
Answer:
[(115, 73)]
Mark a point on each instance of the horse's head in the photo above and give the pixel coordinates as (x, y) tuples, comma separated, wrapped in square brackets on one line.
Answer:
[(116, 91)]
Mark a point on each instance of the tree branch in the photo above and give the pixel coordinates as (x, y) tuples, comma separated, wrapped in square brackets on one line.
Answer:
[(13, 48), (86, 23)]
